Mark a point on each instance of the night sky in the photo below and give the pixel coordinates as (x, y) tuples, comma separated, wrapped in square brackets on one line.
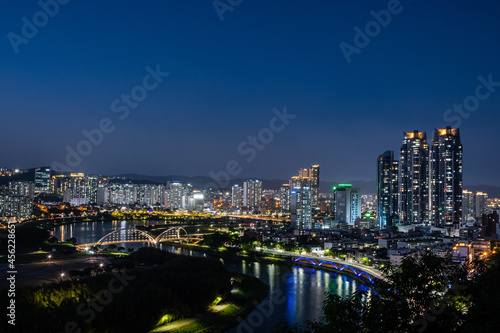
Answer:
[(226, 76)]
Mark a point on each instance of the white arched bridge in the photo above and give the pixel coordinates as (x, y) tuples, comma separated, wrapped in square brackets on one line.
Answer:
[(133, 235)]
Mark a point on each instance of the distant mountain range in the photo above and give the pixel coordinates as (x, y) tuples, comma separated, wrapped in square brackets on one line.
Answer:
[(366, 186)]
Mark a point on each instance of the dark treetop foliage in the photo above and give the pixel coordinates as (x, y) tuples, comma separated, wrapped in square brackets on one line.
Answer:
[(420, 295)]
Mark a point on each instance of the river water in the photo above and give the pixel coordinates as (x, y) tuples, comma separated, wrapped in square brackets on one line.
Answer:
[(296, 293)]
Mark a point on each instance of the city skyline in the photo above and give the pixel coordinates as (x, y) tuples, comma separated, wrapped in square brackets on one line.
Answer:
[(211, 83), (232, 165), (228, 177)]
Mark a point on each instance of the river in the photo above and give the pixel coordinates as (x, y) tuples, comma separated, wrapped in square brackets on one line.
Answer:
[(296, 293)]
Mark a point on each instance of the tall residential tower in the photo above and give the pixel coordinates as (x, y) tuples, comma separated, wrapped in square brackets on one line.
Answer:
[(252, 194), (301, 202), (446, 178), (314, 177), (414, 179), (387, 190), (347, 204)]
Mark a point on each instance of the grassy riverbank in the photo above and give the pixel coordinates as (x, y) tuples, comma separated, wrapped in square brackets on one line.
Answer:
[(161, 287), (248, 291)]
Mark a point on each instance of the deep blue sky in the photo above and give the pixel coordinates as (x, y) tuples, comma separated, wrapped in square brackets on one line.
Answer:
[(227, 76)]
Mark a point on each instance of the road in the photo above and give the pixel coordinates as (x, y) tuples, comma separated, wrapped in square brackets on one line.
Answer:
[(37, 273)]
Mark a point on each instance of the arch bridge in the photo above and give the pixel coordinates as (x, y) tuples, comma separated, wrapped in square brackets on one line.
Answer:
[(133, 235), (340, 267)]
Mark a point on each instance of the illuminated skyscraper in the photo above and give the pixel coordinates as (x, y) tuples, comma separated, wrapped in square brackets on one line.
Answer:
[(285, 197), (446, 178), (236, 196), (414, 180), (346, 203), (387, 190), (303, 173), (174, 195), (150, 194), (468, 205), (301, 203), (122, 194), (77, 186), (18, 206), (252, 194), (42, 176), (25, 188), (481, 204), (314, 177)]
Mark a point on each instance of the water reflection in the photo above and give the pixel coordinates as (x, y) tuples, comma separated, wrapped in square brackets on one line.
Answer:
[(304, 288)]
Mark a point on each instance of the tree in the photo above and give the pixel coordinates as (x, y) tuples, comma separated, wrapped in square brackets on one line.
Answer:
[(483, 311), (53, 240), (413, 297), (72, 240), (249, 246), (111, 247), (216, 240)]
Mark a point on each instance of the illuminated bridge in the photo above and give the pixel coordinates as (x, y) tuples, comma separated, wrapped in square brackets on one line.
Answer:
[(364, 273), (133, 235)]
